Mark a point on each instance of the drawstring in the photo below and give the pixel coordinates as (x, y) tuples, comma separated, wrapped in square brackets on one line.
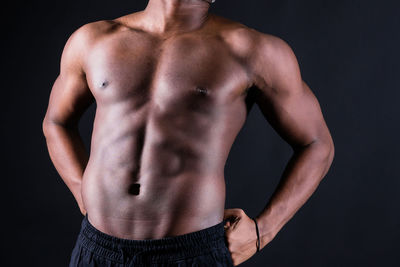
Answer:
[(126, 259), (122, 255), (132, 262)]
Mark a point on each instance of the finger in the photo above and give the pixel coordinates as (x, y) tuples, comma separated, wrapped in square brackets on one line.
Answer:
[(227, 224), (229, 213)]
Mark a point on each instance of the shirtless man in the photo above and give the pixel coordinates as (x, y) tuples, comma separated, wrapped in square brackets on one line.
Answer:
[(173, 85)]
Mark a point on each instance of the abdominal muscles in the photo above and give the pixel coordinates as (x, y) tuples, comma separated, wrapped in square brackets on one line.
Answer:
[(154, 172)]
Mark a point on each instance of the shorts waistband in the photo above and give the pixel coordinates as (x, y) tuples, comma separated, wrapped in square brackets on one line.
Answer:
[(115, 248)]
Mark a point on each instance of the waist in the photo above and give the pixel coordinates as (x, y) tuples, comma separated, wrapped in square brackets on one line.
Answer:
[(189, 244), (160, 208)]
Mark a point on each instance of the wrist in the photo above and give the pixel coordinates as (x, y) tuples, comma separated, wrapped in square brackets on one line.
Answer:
[(258, 240), (266, 230)]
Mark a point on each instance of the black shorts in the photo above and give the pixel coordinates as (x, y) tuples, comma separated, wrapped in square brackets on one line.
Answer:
[(206, 247)]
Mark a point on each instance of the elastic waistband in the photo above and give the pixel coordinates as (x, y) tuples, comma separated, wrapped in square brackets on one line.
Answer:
[(181, 246)]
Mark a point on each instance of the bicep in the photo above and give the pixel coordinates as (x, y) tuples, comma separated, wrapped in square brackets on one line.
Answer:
[(70, 95), (69, 98), (295, 115), (285, 99)]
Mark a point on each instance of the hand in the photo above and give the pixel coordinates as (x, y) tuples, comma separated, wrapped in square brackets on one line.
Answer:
[(240, 232), (82, 209)]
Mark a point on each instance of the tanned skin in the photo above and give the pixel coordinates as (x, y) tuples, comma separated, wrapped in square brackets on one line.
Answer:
[(173, 85)]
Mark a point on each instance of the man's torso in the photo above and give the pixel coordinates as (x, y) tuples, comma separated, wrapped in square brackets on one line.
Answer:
[(167, 114)]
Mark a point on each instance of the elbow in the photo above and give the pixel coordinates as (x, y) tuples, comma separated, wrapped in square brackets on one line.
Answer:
[(49, 126), (331, 153), (330, 150), (320, 152), (322, 147), (327, 153), (326, 150), (46, 127), (323, 151), (52, 126)]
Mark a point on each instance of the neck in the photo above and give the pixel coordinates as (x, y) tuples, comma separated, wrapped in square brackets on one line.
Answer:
[(176, 15)]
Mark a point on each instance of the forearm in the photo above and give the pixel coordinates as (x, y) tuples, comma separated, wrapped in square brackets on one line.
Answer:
[(69, 156), (302, 175)]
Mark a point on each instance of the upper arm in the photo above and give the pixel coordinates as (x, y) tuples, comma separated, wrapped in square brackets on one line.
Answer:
[(283, 97), (70, 95)]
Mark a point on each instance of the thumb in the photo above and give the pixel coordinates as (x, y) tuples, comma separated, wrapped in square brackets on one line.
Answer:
[(231, 215)]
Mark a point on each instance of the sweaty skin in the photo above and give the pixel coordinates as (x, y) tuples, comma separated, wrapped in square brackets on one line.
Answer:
[(173, 85)]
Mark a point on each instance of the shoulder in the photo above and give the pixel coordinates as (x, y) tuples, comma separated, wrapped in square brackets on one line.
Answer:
[(81, 40), (266, 57), (87, 34), (246, 40), (261, 53), (237, 36)]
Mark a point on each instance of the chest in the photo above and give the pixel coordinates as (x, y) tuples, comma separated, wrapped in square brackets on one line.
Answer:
[(186, 69)]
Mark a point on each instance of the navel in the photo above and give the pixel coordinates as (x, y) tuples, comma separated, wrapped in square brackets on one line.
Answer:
[(202, 90), (134, 189)]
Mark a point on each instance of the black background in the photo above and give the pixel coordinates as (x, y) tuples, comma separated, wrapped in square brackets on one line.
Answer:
[(348, 54)]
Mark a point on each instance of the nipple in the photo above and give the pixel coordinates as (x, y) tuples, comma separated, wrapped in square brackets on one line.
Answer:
[(134, 189), (104, 84)]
